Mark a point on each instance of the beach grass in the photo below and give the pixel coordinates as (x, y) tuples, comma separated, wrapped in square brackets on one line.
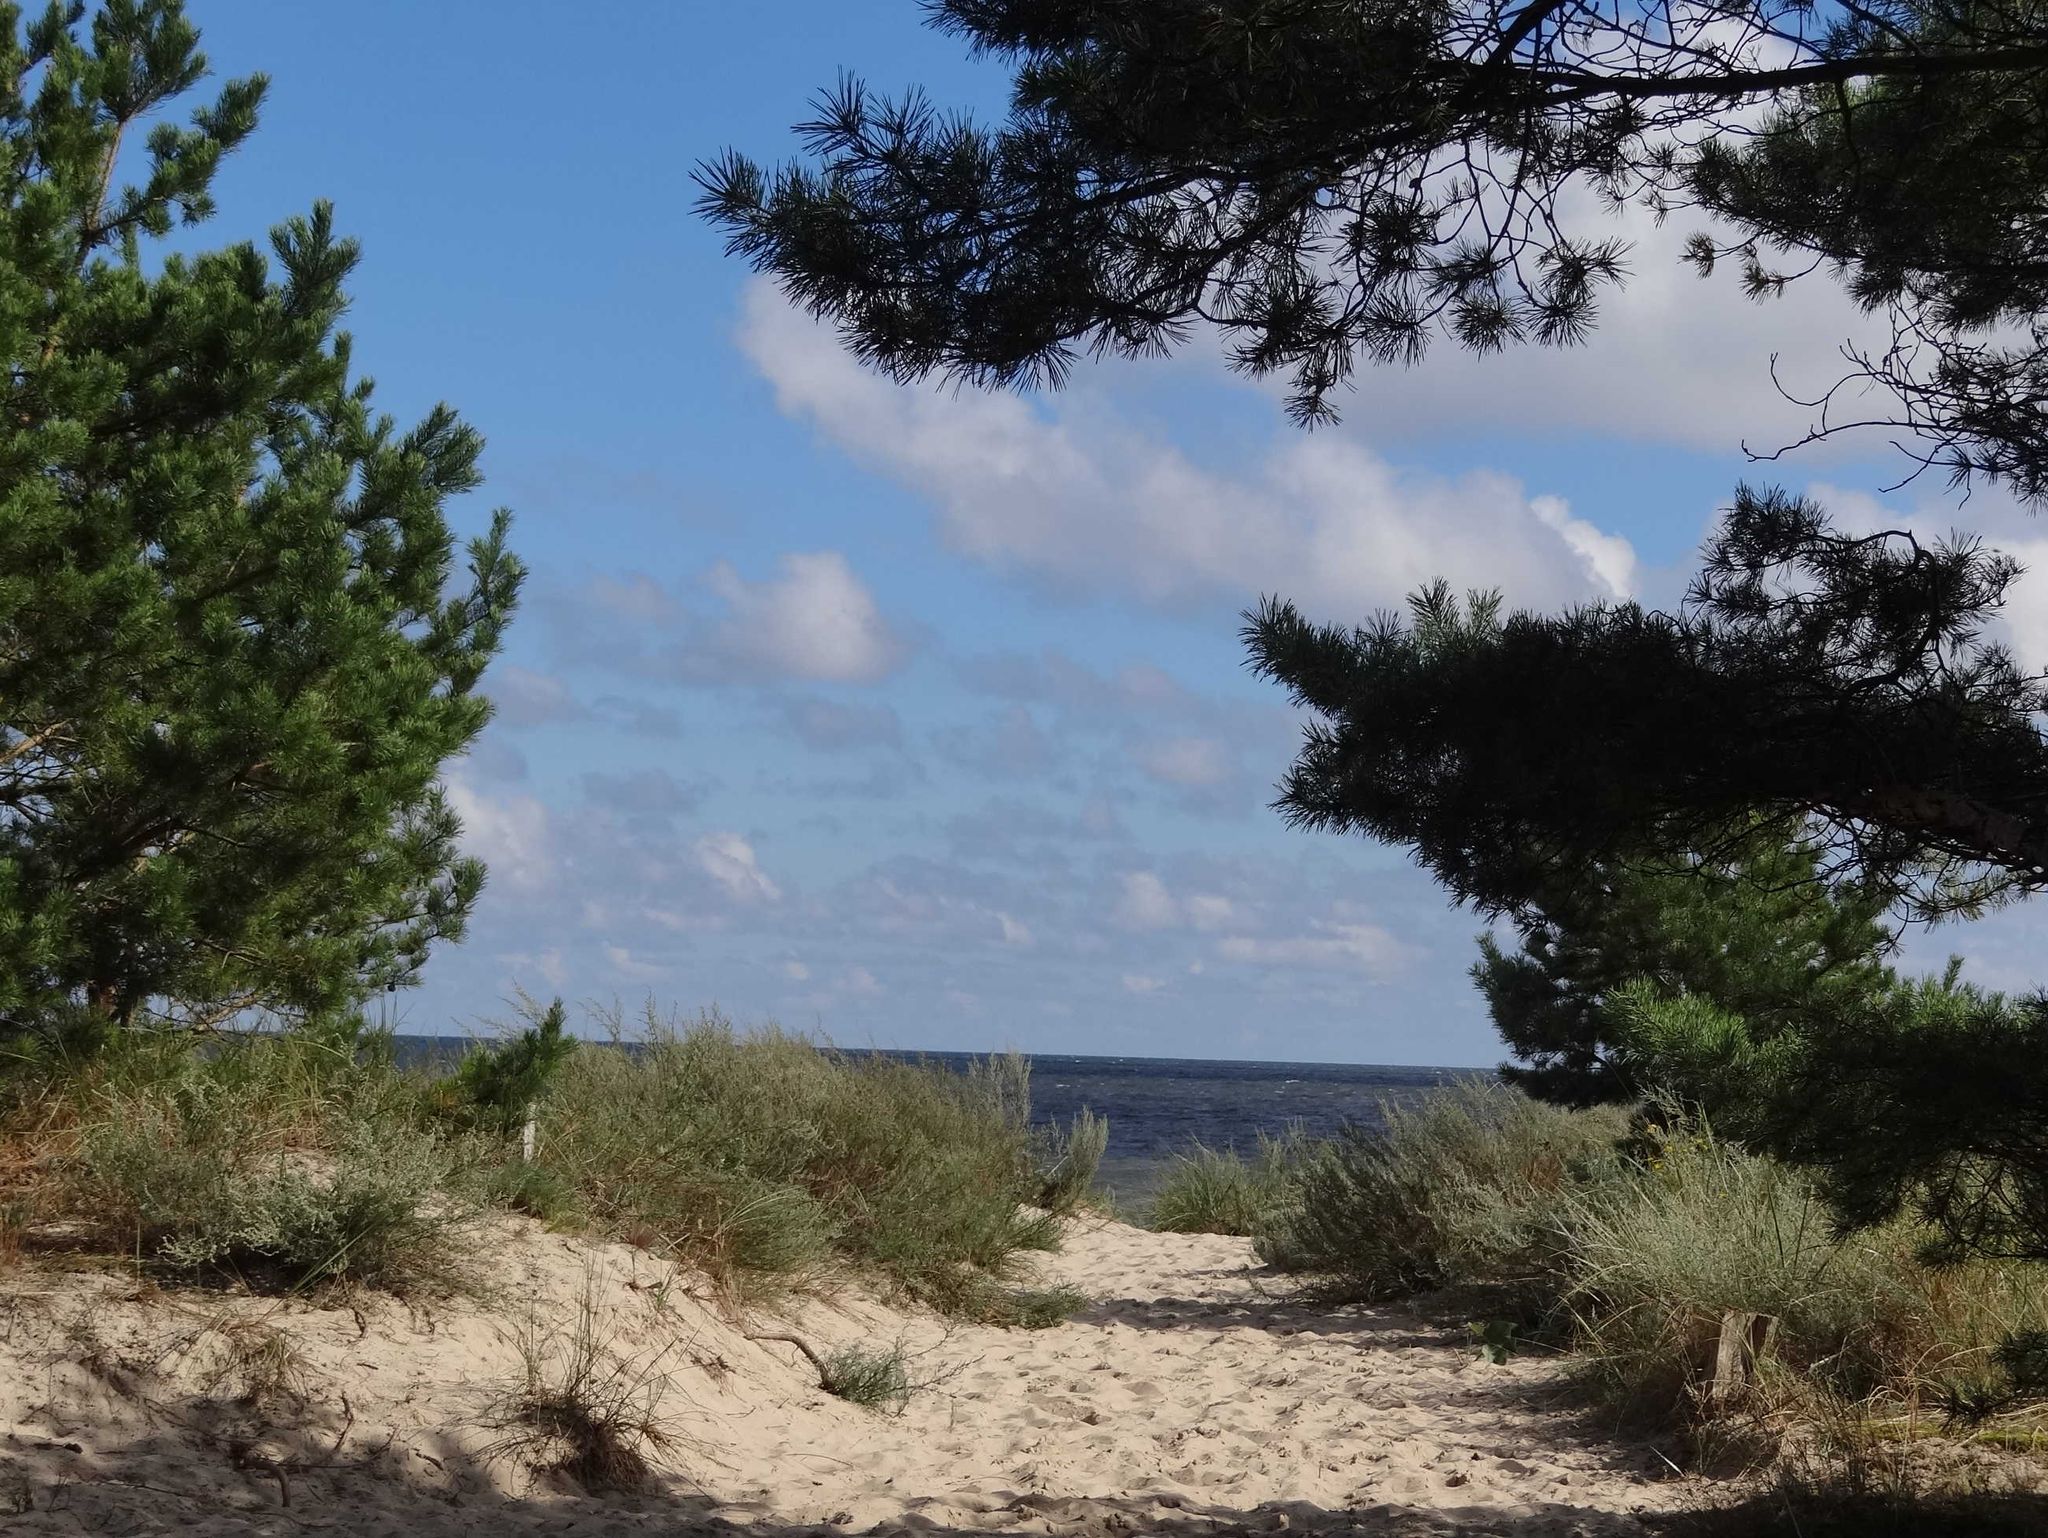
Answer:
[(1465, 1185), (1219, 1191), (764, 1159), (282, 1162), (865, 1375), (1631, 1243)]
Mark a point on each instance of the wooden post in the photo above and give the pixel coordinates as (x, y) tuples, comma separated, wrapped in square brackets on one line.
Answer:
[(529, 1135), (1743, 1340)]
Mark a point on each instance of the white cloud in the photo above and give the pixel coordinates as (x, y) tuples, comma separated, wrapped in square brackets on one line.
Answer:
[(1064, 492), (1014, 933), (626, 965), (816, 620), (1191, 761), (511, 834), (1610, 558), (859, 980), (1352, 946), (729, 859), (547, 963), (1140, 983), (1146, 904), (832, 725), (1674, 358), (796, 971)]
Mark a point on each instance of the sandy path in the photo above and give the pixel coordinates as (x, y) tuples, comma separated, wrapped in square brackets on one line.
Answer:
[(1184, 1400)]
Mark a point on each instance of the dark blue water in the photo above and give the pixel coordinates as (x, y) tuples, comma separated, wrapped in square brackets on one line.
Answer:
[(1157, 1106)]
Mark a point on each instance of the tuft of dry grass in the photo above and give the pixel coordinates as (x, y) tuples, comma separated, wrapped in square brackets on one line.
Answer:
[(583, 1407), (254, 1362)]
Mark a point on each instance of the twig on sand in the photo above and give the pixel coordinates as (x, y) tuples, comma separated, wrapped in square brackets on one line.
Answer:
[(824, 1378)]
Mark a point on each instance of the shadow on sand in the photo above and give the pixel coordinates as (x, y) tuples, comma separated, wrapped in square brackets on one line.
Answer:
[(205, 1474)]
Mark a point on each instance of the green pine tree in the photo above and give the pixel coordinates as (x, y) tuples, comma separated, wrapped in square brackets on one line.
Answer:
[(1924, 1096), (1753, 930), (1331, 184), (232, 658)]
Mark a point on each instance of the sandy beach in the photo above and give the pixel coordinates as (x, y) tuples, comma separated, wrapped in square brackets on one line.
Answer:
[(1189, 1397)]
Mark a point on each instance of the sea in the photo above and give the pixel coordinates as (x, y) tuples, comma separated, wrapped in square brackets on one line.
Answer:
[(1158, 1107)]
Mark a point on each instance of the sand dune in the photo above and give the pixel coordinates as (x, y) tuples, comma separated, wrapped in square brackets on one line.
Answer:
[(1186, 1399)]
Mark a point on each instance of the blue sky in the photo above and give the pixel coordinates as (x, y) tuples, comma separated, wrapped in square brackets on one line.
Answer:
[(919, 717)]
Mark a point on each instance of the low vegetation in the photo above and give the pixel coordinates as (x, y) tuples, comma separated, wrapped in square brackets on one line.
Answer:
[(1465, 1186), (1630, 1242), (763, 1159), (284, 1161), (1219, 1191), (584, 1407), (867, 1376)]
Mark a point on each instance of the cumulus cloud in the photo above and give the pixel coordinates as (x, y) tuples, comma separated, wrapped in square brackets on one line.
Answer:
[(729, 860), (492, 759), (522, 697), (510, 832), (814, 620), (1187, 761), (1053, 678), (1146, 904), (1334, 944), (1674, 358), (628, 966), (1066, 493), (653, 793), (548, 963), (1610, 558), (1007, 745)]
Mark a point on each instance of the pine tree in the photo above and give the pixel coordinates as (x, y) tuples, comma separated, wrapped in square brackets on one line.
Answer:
[(1924, 1096), (232, 662), (1753, 931), (1332, 183), (1842, 683)]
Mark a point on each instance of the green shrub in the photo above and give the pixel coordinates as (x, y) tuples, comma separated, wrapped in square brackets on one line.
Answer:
[(982, 1300), (197, 1172), (764, 1158), (866, 1377), (1065, 1163), (1038, 1308), (498, 1087), (1215, 1191), (1705, 1229), (1468, 1185)]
